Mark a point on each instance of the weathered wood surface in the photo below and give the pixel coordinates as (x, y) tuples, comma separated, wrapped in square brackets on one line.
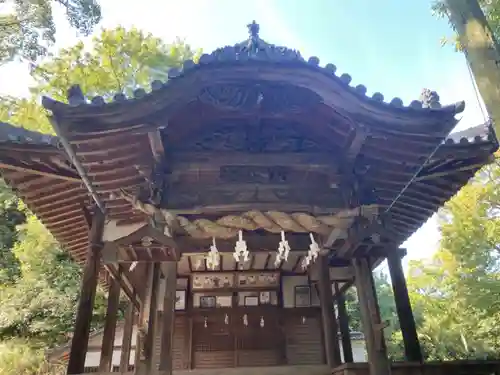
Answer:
[(343, 320), (79, 342), (413, 352), (108, 339), (370, 318), (166, 358), (127, 338), (329, 325)]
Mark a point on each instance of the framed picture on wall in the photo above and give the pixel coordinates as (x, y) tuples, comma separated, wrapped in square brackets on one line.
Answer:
[(180, 300), (207, 302), (302, 296), (252, 301), (265, 297)]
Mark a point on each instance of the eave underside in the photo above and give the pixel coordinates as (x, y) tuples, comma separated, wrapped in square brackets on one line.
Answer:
[(59, 199)]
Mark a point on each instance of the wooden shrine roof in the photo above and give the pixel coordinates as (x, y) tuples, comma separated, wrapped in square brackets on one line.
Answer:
[(39, 171), (245, 115)]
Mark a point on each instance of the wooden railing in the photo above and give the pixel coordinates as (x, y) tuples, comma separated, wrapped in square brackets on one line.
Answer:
[(429, 368)]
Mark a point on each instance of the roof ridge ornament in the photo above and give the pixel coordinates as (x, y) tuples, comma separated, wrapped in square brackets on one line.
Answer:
[(253, 29), (429, 99)]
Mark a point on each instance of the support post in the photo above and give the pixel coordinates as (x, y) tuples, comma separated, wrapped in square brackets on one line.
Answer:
[(481, 50), (345, 332), (80, 340), (108, 338), (330, 328), (166, 358), (413, 351), (147, 322), (127, 338), (370, 317)]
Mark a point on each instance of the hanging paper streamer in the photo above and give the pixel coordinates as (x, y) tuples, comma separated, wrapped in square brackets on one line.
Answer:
[(312, 254), (213, 256), (240, 250), (283, 251)]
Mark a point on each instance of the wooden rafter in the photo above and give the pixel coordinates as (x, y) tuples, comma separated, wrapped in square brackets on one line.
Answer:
[(41, 170)]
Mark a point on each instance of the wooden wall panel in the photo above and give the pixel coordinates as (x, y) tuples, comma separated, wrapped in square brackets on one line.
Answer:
[(254, 358), (207, 360), (303, 340), (213, 345), (259, 345), (179, 356)]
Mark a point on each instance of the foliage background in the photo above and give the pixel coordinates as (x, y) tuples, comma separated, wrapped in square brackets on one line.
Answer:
[(39, 282)]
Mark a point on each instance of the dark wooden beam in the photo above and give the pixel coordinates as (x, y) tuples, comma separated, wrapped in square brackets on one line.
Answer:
[(370, 317), (268, 260), (166, 358), (142, 321), (79, 342), (145, 365), (359, 231), (203, 161), (330, 328), (413, 352), (345, 332), (188, 197), (126, 283), (354, 143), (127, 338), (236, 208), (464, 165), (14, 165), (108, 336), (156, 144)]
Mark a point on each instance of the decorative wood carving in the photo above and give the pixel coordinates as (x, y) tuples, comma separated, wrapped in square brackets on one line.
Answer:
[(266, 98), (244, 136)]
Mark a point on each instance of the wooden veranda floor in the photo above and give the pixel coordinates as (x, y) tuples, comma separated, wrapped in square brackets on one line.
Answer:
[(399, 368)]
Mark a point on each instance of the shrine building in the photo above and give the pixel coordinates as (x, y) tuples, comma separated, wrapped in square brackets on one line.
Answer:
[(234, 205)]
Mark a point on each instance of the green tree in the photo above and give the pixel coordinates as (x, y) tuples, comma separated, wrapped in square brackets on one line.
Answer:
[(39, 299), (10, 218), (27, 29), (120, 61), (457, 289), (491, 9)]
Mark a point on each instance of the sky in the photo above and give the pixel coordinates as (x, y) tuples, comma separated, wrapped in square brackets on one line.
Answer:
[(390, 46)]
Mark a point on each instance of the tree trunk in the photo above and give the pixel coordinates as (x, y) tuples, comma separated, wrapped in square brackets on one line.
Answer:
[(481, 51)]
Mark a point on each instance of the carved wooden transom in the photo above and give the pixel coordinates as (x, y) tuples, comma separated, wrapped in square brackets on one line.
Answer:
[(262, 98), (253, 136)]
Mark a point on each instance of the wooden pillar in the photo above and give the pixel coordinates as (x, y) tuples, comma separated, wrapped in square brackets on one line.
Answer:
[(403, 306), (108, 338), (481, 50), (127, 338), (80, 340), (147, 322), (370, 317), (345, 332), (166, 358), (330, 328)]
